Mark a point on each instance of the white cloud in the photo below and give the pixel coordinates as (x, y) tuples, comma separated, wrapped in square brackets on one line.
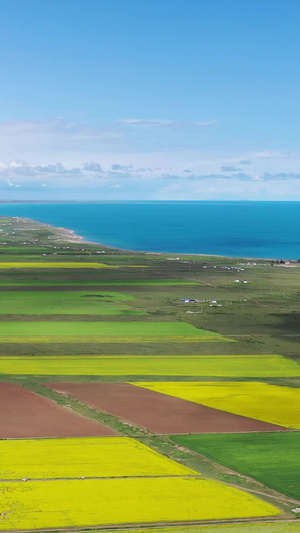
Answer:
[(75, 157), (270, 154), (229, 168), (39, 142), (162, 123), (11, 184)]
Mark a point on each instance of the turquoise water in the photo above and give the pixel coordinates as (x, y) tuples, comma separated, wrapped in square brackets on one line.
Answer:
[(240, 229)]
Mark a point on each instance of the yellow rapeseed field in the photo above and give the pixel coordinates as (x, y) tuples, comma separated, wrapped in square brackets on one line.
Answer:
[(4, 265), (261, 401), (69, 503), (89, 457)]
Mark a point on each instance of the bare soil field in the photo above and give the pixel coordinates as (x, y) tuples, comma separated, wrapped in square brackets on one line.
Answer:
[(26, 414), (159, 413)]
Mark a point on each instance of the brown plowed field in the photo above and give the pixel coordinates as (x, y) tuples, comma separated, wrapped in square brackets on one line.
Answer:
[(158, 412), (25, 414)]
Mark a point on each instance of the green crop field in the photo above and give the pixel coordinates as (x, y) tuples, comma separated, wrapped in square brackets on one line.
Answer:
[(271, 458), (66, 302), (155, 365), (175, 330)]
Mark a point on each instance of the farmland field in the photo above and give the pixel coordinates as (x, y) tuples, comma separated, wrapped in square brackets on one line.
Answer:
[(39, 265), (156, 365), (48, 504), (17, 331), (66, 302), (25, 414), (261, 401), (272, 458), (89, 457), (93, 406), (159, 413)]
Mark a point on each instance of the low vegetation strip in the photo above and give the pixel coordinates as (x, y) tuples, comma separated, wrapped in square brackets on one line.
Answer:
[(41, 264), (86, 339), (272, 458), (108, 329), (263, 527), (260, 401), (89, 457), (155, 365), (159, 413), (70, 503), (112, 283), (66, 302), (25, 414)]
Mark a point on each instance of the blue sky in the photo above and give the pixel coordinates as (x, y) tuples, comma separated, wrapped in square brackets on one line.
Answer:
[(159, 100)]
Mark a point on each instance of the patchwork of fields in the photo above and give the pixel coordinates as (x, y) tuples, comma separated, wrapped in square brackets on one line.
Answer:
[(69, 477), (159, 413), (120, 407), (65, 503)]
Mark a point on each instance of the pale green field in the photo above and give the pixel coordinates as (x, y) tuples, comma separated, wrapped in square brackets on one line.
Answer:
[(210, 366), (103, 328), (32, 264)]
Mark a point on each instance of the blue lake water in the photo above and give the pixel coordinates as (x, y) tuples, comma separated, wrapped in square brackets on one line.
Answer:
[(239, 229)]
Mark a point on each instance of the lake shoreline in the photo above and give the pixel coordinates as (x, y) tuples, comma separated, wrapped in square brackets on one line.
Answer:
[(71, 236), (81, 239)]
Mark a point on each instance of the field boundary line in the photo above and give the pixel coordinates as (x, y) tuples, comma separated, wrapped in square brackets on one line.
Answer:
[(102, 478), (159, 525)]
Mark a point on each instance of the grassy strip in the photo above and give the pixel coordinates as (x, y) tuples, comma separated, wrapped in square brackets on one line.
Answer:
[(10, 265), (117, 283), (105, 338)]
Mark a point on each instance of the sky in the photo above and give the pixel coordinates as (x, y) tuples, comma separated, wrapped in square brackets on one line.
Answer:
[(149, 100)]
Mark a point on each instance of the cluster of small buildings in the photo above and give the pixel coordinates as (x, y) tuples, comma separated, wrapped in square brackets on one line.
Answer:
[(212, 303), (238, 269), (191, 300)]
